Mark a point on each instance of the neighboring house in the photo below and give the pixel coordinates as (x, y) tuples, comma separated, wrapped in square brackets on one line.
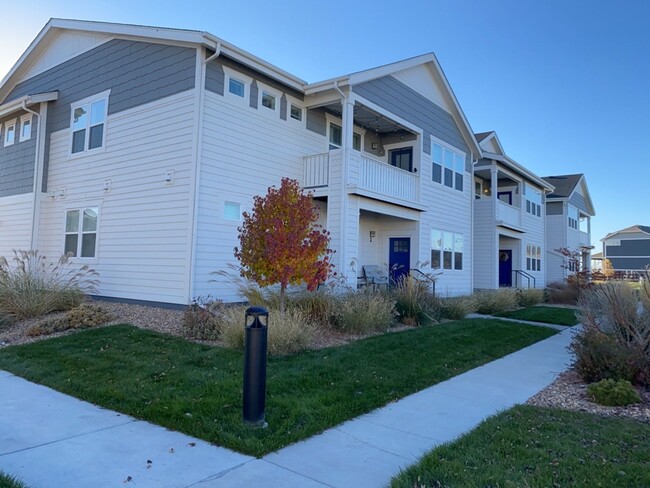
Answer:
[(137, 149), (628, 249), (509, 217), (568, 225)]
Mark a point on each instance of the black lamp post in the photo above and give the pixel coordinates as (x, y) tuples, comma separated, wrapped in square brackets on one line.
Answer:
[(255, 345)]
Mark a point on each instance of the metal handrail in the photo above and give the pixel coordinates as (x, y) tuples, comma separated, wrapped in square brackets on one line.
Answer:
[(528, 277), (426, 278)]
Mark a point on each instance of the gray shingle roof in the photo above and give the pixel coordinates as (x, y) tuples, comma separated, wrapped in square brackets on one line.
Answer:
[(564, 184), (482, 135)]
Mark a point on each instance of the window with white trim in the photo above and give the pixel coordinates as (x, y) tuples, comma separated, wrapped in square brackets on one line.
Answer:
[(533, 200), (446, 250), (573, 217), (336, 135), (231, 211), (356, 141), (236, 87), (10, 133), (533, 257), (26, 127), (448, 166), (81, 232), (295, 112), (268, 100), (89, 123)]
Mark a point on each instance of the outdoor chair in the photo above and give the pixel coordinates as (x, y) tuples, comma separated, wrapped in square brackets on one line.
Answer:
[(374, 276)]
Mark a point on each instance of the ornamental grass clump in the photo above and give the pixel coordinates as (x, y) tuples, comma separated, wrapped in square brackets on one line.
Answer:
[(32, 286), (85, 316), (529, 297), (456, 308), (414, 301), (490, 302), (364, 312)]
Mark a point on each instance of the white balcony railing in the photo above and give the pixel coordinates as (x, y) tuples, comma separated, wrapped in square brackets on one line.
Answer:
[(584, 239), (316, 170), (388, 180), (508, 214), (365, 174)]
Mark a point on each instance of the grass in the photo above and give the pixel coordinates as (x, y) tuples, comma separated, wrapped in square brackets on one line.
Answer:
[(196, 389), (7, 481), (539, 447), (547, 315)]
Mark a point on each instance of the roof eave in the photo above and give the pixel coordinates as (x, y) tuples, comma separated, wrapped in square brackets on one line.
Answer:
[(20, 103)]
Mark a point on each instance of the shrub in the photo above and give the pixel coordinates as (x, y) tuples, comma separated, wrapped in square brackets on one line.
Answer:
[(599, 356), (201, 320), (414, 302), (33, 286), (562, 293), (613, 393), (529, 297), (489, 302), (288, 333), (363, 312), (84, 316), (317, 306), (456, 308)]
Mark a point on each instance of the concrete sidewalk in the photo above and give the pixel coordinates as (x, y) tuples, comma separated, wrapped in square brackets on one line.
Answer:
[(48, 439)]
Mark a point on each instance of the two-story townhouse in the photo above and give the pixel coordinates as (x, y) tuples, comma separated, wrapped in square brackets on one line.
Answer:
[(568, 225), (146, 145), (509, 220), (628, 249)]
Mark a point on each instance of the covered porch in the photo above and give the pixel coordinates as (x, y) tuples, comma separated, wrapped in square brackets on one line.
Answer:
[(497, 188)]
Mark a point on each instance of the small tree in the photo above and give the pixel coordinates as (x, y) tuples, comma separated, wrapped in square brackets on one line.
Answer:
[(280, 242), (573, 264), (608, 269)]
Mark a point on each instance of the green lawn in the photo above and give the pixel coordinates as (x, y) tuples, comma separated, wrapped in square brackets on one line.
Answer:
[(548, 315), (196, 389), (539, 447), (7, 481)]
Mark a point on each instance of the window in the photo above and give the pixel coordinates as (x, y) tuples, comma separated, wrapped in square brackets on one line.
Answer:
[(402, 158), (336, 135), (89, 124), (573, 217), (268, 100), (25, 127), (10, 133), (533, 258), (296, 112), (237, 87), (231, 211), (533, 200), (81, 232), (446, 250), (356, 141), (448, 167)]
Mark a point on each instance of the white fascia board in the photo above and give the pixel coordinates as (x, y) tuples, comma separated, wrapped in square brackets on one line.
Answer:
[(19, 103), (514, 165)]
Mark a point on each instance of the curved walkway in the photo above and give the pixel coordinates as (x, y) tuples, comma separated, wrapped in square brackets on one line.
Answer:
[(48, 439)]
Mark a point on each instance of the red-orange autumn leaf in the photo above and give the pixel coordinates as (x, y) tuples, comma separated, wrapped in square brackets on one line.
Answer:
[(280, 242)]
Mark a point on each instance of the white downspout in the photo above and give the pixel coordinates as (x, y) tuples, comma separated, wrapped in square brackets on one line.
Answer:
[(37, 177)]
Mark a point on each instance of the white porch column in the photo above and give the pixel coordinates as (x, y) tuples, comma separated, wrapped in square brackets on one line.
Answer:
[(493, 192)]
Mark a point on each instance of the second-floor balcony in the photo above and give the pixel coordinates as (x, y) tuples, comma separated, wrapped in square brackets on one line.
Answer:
[(508, 215), (584, 239), (365, 175)]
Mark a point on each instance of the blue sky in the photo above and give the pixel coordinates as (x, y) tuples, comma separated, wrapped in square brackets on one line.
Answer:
[(564, 83)]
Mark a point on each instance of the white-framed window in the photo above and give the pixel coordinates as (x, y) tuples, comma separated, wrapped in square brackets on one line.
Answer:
[(269, 100), (533, 200), (573, 217), (10, 133), (26, 127), (232, 211), (533, 257), (335, 135), (356, 141), (81, 225), (295, 112), (446, 250), (448, 166), (88, 122), (237, 87)]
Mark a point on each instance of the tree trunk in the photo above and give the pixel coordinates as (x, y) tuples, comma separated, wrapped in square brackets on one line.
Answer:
[(282, 289)]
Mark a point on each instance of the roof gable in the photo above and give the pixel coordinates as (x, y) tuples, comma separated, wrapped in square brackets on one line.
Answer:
[(564, 185), (422, 79), (489, 141), (639, 229)]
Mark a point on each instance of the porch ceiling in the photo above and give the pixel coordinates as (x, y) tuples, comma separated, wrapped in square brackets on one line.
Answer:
[(371, 120)]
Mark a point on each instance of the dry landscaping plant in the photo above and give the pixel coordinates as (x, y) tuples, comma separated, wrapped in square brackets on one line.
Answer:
[(84, 316), (489, 302), (201, 320), (414, 302), (529, 297), (562, 293), (363, 312), (33, 286), (456, 308)]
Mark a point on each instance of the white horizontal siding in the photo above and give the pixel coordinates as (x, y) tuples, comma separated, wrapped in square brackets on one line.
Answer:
[(556, 232), (535, 234), (144, 221), (243, 152), (15, 223), (485, 248)]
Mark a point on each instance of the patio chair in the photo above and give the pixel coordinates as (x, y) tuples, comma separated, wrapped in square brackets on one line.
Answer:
[(374, 276)]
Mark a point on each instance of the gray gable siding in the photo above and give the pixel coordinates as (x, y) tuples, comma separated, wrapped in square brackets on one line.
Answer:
[(17, 161), (635, 247), (135, 72), (578, 201), (402, 100), (630, 263), (254, 95), (554, 208), (316, 121)]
